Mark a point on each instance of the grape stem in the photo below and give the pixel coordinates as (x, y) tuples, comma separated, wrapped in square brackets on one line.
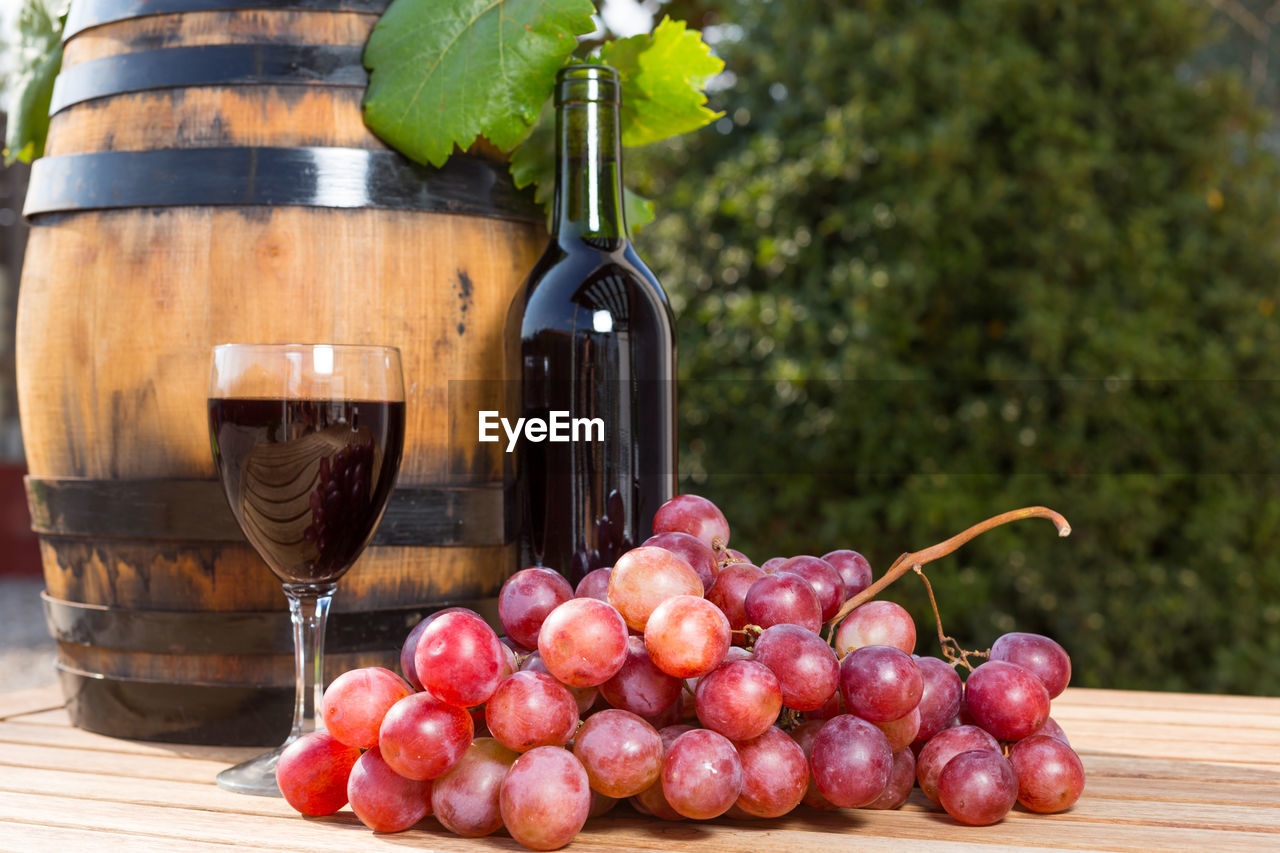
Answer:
[(955, 654), (918, 559)]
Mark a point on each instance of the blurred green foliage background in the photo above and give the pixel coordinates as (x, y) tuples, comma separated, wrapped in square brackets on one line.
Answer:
[(943, 259)]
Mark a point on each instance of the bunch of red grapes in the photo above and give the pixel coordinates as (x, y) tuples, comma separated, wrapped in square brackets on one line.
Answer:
[(693, 683)]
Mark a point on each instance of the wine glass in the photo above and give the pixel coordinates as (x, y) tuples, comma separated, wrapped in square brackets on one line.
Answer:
[(307, 440)]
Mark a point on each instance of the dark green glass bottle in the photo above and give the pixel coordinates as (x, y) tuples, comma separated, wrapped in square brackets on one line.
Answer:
[(595, 339)]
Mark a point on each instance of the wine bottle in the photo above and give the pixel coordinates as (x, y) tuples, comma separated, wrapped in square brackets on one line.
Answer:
[(594, 336)]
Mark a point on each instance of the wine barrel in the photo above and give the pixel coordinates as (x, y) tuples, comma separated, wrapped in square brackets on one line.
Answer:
[(208, 179)]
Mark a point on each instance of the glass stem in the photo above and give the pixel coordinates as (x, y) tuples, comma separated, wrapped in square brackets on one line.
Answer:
[(309, 610)]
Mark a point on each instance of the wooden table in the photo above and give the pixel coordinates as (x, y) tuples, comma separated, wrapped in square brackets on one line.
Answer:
[(1165, 771)]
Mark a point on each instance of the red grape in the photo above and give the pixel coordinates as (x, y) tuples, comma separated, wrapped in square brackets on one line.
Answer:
[(459, 659), (1051, 729), (902, 779), (876, 623), (584, 697), (833, 707), (901, 732), (729, 593), (545, 798), (594, 584), (851, 761), (736, 812), (771, 565), (978, 787), (407, 652), (944, 746), (422, 737), (651, 800), (384, 800), (854, 570), (355, 703), (639, 686), (691, 684), (696, 516), (1050, 774), (410, 647), (677, 712), (775, 774), (526, 599), (531, 709), (806, 667), (804, 735), (600, 804), (783, 598), (510, 662), (822, 576), (739, 700), (1006, 700), (880, 683), (701, 774), (695, 552), (940, 701), (645, 577), (1042, 656), (686, 636), (622, 753), (670, 733), (465, 799), (583, 642), (312, 773), (517, 650)]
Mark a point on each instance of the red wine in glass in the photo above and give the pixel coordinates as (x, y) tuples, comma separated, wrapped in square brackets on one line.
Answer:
[(308, 480)]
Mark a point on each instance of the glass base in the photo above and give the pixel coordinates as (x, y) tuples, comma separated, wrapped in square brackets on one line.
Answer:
[(257, 776)]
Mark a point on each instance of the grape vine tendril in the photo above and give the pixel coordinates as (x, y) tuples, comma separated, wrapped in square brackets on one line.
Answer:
[(955, 654), (918, 559)]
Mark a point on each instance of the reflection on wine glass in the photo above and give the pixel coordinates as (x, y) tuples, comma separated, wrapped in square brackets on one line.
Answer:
[(307, 440)]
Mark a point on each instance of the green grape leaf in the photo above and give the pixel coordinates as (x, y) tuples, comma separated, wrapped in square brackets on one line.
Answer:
[(38, 57), (639, 210), (444, 72), (663, 76), (534, 161)]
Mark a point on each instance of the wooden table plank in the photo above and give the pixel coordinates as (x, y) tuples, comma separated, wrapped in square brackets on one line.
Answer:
[(1083, 731), (1164, 772), (28, 701), (1181, 749), (1209, 773), (35, 838), (119, 765), (110, 788), (66, 736), (1070, 716), (813, 831), (1173, 791), (50, 717), (1147, 699)]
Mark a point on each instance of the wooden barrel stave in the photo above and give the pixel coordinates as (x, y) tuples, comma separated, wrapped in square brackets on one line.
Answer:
[(213, 117), (253, 26), (190, 577)]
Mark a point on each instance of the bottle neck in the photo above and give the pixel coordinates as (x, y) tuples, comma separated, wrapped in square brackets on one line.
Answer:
[(588, 200)]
